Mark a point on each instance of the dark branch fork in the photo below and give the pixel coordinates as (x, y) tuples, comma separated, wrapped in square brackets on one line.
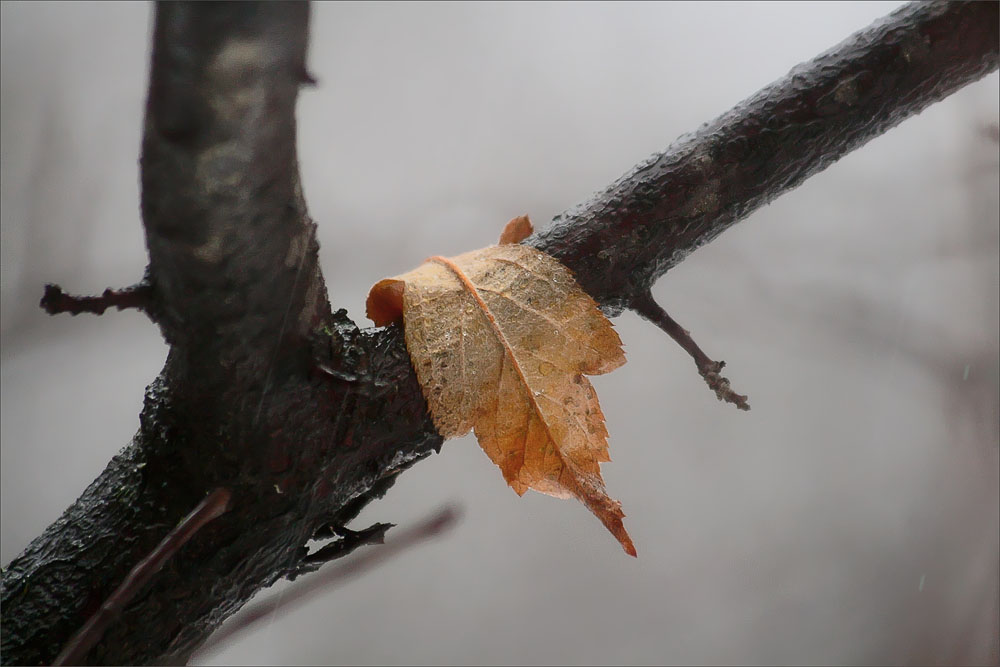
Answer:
[(238, 294)]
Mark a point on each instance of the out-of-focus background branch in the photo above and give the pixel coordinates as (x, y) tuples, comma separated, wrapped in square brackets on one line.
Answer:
[(851, 517)]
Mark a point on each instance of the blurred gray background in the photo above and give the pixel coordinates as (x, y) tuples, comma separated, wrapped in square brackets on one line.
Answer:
[(850, 518)]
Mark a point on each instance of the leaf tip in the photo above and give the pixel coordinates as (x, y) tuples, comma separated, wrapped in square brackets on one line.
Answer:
[(516, 230), (617, 529), (629, 547), (610, 513), (385, 302)]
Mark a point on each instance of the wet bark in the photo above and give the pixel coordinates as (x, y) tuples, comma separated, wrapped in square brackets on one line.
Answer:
[(235, 286)]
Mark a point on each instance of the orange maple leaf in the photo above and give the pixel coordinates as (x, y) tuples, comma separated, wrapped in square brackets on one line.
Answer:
[(501, 339)]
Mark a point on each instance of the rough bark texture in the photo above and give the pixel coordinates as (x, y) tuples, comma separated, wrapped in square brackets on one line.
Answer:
[(237, 291)]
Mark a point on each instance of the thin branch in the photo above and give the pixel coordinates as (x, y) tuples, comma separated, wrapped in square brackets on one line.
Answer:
[(348, 542), (645, 305), (437, 524), (138, 296), (213, 506)]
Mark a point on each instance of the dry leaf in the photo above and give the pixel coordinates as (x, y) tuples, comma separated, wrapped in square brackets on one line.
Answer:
[(516, 230), (501, 339)]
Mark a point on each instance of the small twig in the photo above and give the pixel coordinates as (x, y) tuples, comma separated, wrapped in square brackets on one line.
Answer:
[(645, 305), (212, 507), (433, 526), (138, 296), (349, 541), (306, 77), (331, 530)]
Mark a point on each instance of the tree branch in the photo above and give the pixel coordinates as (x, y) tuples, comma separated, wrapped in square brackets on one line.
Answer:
[(306, 418), (212, 507), (653, 217), (440, 522), (137, 296), (710, 370)]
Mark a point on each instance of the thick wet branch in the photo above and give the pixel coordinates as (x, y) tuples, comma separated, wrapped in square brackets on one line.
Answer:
[(654, 216)]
